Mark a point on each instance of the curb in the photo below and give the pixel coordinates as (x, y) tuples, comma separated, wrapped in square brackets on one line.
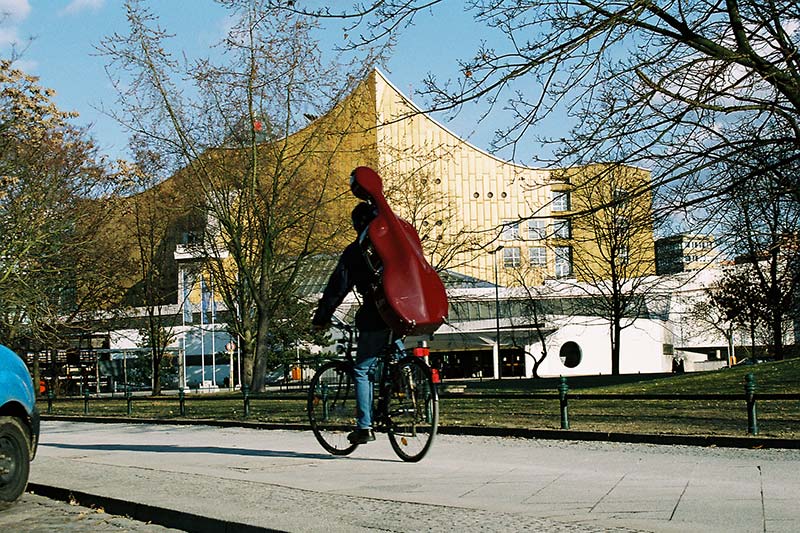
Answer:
[(147, 513), (721, 441)]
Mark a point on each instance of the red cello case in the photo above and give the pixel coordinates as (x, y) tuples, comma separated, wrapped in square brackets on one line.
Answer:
[(410, 295)]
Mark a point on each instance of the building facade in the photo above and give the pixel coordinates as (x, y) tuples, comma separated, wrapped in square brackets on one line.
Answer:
[(685, 253)]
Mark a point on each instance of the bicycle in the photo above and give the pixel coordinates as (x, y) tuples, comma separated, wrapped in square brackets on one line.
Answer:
[(406, 406)]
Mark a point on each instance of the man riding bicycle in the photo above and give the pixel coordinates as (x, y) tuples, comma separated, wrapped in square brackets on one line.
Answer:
[(352, 271)]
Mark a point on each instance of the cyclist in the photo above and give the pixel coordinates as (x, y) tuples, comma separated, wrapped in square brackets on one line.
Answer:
[(352, 271)]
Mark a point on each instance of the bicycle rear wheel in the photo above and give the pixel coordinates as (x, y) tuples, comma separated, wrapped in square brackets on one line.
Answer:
[(332, 406), (413, 409)]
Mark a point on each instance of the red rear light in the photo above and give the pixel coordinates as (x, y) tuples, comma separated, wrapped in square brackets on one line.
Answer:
[(422, 351)]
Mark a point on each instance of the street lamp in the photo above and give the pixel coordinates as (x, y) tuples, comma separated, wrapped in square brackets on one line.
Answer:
[(496, 314)]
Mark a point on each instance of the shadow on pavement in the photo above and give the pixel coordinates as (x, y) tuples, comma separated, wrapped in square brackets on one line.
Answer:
[(160, 448)]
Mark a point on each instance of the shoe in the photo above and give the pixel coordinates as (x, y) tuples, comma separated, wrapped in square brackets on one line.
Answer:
[(361, 436)]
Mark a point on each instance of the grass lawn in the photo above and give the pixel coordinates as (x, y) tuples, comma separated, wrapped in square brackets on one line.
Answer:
[(776, 418)]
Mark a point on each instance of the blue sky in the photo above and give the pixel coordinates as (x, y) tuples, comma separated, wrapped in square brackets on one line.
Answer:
[(65, 32)]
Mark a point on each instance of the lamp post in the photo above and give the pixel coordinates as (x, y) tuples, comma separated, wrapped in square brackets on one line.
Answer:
[(496, 354)]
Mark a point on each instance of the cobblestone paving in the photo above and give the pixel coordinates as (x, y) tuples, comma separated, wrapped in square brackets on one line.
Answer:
[(37, 514)]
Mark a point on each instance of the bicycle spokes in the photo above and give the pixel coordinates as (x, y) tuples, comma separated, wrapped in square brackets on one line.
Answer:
[(412, 411), (332, 407)]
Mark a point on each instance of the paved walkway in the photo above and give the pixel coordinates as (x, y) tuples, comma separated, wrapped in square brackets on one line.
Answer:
[(244, 479)]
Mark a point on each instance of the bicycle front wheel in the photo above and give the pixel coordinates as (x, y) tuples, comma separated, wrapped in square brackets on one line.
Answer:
[(332, 406), (413, 409)]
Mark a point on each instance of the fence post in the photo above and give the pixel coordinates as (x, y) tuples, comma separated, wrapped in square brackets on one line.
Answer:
[(49, 401), (86, 401), (128, 399), (750, 396), (182, 400), (563, 389), (246, 394)]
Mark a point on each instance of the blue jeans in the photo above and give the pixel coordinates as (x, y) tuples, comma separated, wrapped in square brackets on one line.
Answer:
[(370, 343)]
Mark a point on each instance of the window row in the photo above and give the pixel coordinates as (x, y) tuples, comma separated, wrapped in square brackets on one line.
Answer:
[(537, 257), (692, 258), (537, 229)]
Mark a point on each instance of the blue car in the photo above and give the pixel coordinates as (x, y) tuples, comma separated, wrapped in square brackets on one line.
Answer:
[(19, 425)]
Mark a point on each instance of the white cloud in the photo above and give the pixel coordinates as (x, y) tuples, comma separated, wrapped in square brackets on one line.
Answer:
[(8, 36), (14, 10), (28, 66), (76, 6)]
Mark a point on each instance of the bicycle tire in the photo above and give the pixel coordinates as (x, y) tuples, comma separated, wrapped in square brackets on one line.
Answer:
[(332, 406), (412, 409)]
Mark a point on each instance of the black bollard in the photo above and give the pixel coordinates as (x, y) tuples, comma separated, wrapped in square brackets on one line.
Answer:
[(563, 389), (750, 396), (182, 400), (246, 394), (128, 399)]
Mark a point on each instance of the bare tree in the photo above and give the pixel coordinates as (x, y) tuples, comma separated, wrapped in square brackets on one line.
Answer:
[(269, 182), (616, 246), (150, 213), (415, 195), (762, 229), (531, 313), (678, 87), (706, 318)]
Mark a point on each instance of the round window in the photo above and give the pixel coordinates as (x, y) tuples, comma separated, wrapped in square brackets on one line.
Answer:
[(570, 354)]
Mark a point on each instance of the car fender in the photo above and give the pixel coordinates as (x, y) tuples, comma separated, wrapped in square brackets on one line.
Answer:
[(15, 381)]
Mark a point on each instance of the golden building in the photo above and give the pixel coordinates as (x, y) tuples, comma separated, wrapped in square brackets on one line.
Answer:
[(476, 214), (469, 205)]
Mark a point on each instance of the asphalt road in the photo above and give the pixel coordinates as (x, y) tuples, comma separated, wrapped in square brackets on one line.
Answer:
[(213, 479), (32, 513)]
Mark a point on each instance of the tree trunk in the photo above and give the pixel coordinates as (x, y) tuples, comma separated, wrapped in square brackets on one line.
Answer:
[(777, 336), (261, 353), (36, 373), (615, 334), (248, 359), (156, 366)]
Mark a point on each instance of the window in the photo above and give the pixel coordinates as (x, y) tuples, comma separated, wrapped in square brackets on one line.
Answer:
[(622, 225), (538, 255), (563, 261), (623, 255), (511, 257), (561, 228), (570, 354), (560, 201), (537, 229), (510, 230), (621, 197)]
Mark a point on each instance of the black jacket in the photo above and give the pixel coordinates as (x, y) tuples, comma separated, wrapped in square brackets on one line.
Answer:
[(351, 271)]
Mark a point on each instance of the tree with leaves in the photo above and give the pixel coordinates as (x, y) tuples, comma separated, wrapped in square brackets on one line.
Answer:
[(54, 273), (738, 297), (149, 214)]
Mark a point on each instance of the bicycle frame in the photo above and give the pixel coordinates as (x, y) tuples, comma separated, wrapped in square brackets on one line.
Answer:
[(405, 405), (389, 356)]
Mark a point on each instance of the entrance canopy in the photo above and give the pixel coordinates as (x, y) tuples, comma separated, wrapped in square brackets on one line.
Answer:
[(478, 336)]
